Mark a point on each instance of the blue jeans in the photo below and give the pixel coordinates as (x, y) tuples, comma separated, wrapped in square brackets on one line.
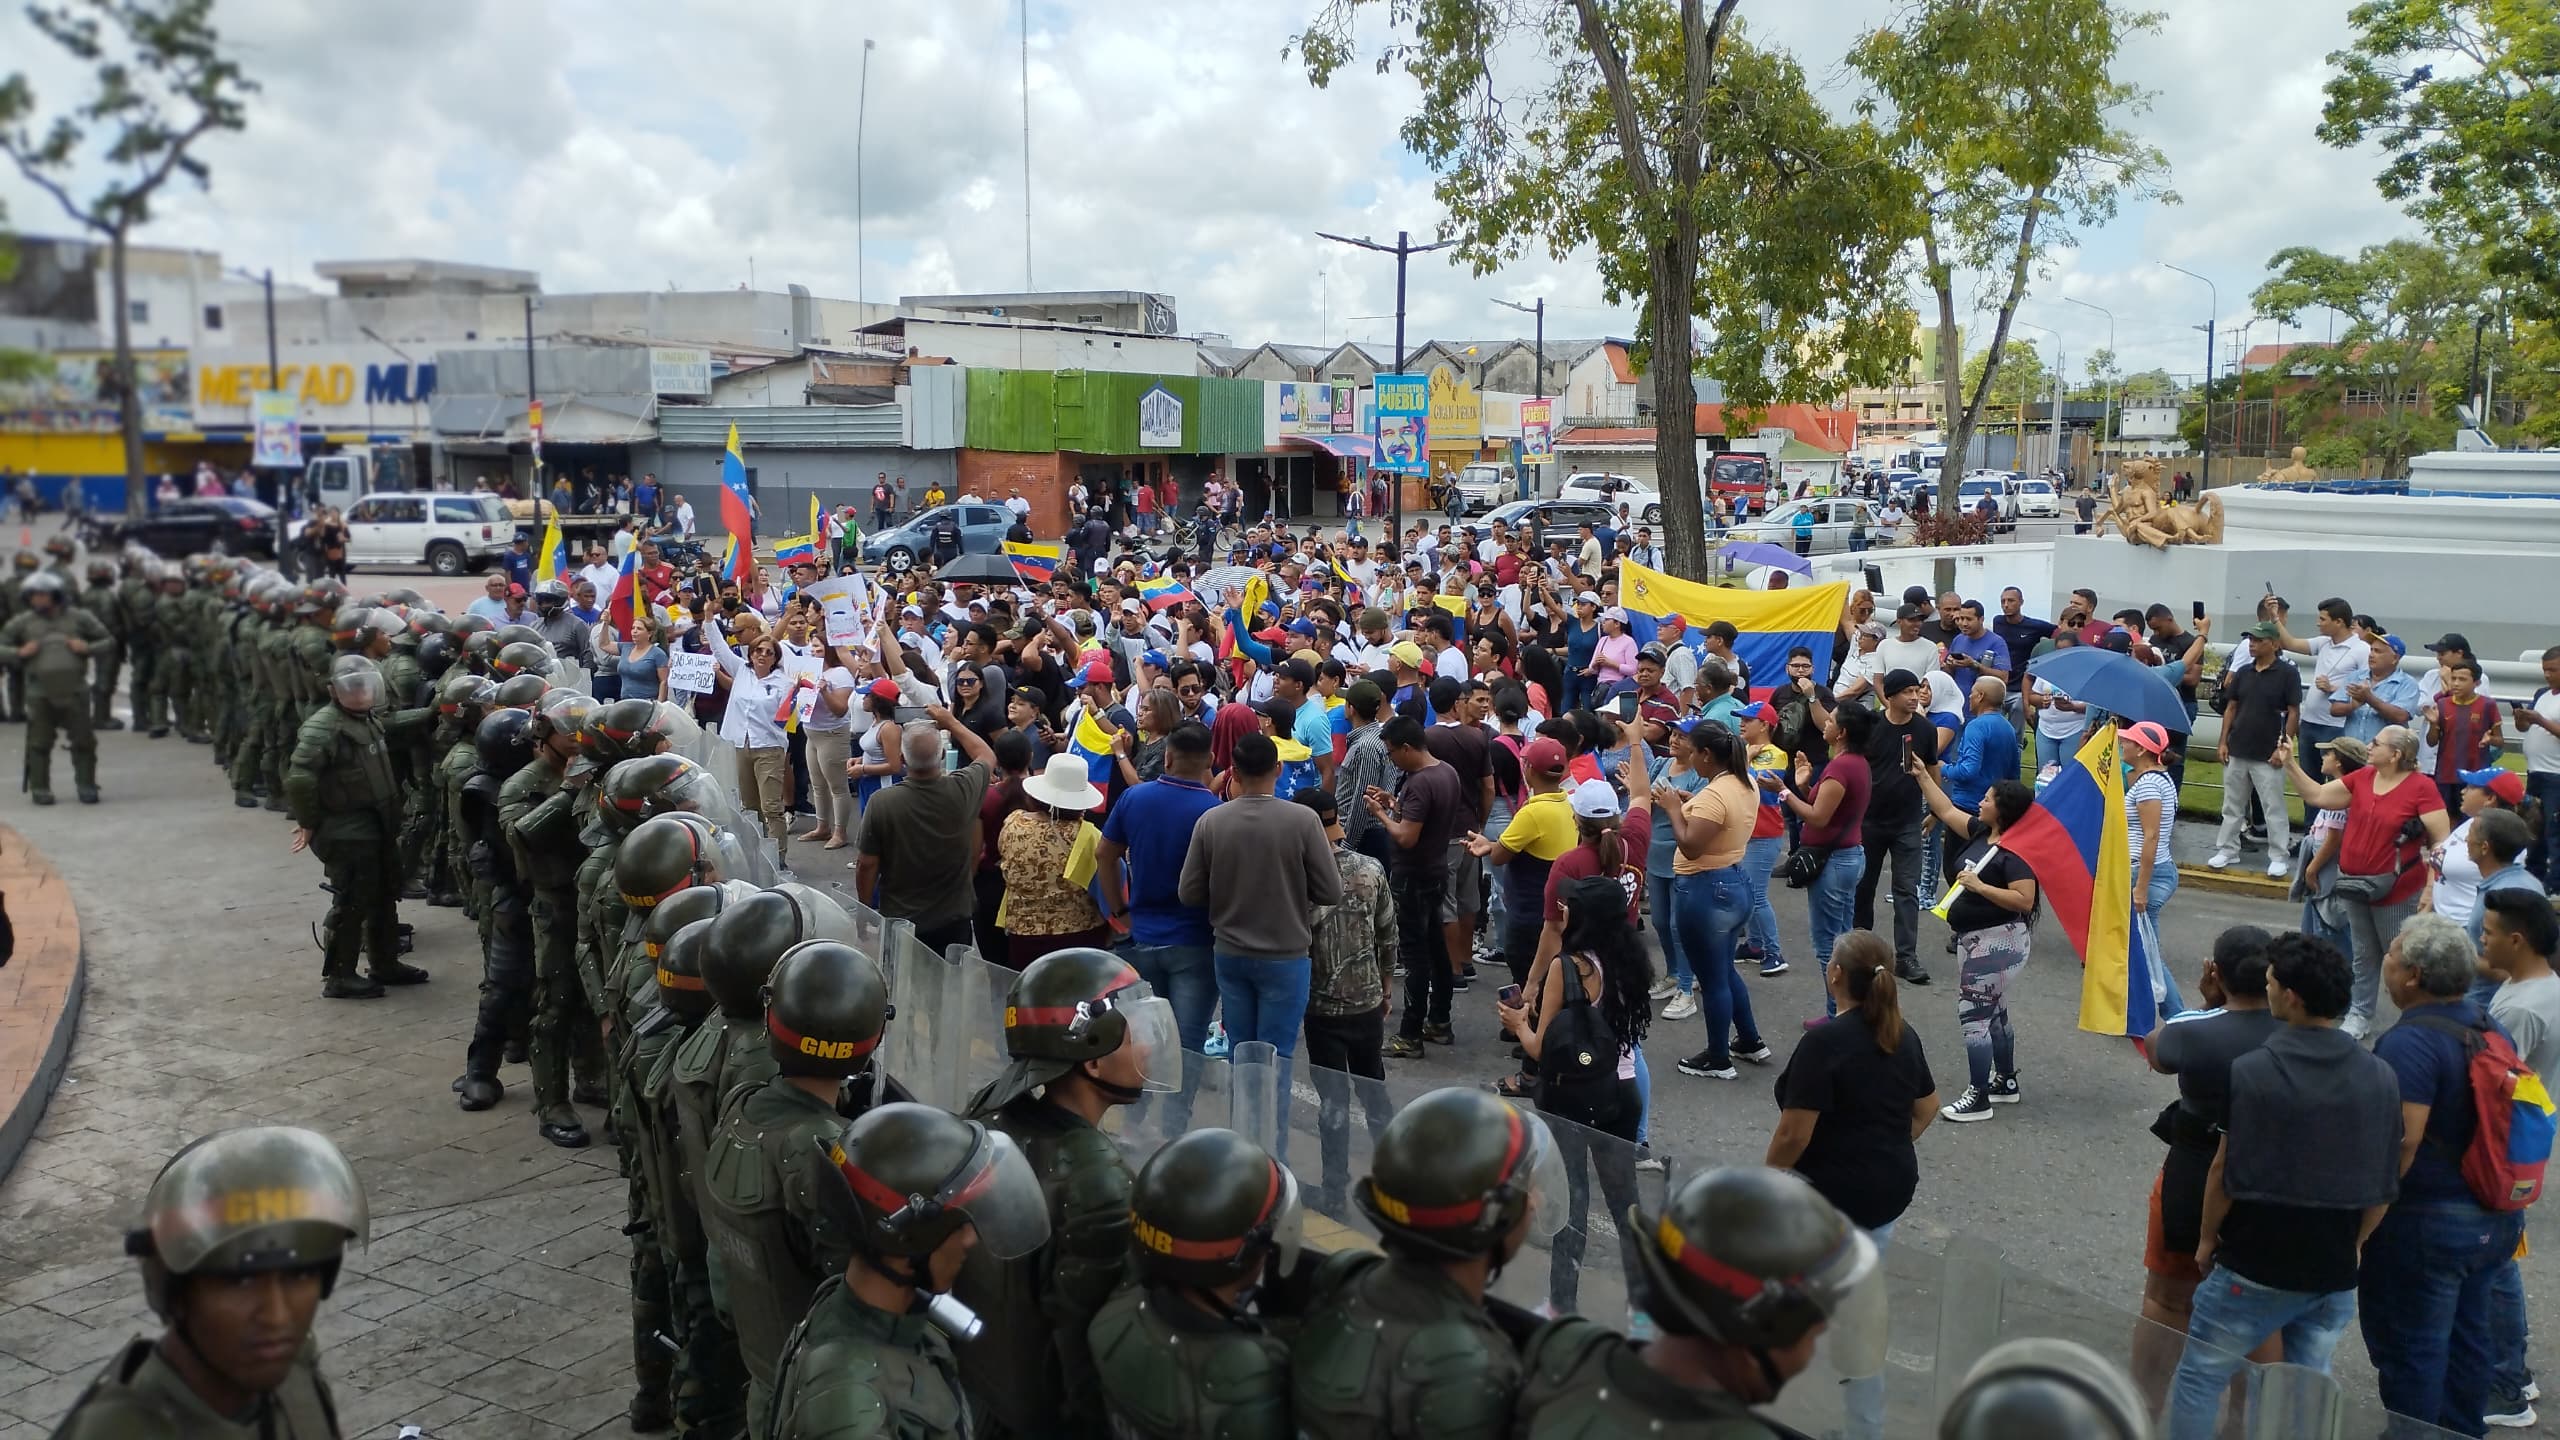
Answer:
[(1644, 1118), (1666, 926), (1833, 900), (2232, 1315), (1187, 977), (1759, 862), (2544, 856), (2423, 1300), (1711, 908), (1266, 1000), (1860, 1337), (2164, 883), (2508, 1332)]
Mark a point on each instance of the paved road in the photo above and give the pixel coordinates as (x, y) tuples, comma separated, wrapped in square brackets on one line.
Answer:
[(491, 1300)]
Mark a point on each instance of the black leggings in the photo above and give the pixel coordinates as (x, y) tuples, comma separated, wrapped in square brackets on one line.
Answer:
[(1611, 1150)]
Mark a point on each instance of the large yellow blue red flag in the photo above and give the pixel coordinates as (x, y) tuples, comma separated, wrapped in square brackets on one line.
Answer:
[(552, 555), (1769, 622), (1035, 561), (737, 512), (2076, 840)]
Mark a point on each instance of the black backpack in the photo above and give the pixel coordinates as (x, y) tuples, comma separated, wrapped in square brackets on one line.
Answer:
[(1578, 1060)]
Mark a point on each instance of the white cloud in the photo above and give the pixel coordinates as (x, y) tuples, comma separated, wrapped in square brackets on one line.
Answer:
[(1173, 149)]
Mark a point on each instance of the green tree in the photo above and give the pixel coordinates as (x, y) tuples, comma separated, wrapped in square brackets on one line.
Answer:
[(2406, 312), (2338, 451), (2099, 372), (1716, 192), (15, 365), (162, 83), (2464, 97), (2023, 379), (2008, 111)]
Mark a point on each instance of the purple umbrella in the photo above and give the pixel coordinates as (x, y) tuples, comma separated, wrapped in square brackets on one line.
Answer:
[(1758, 552)]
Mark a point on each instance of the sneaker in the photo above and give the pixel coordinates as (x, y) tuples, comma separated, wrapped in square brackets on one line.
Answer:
[(2532, 1390), (1681, 1007), (1746, 951), (1460, 981), (1971, 1105), (1439, 1034), (1663, 989), (1753, 1054), (1704, 1066), (2219, 860), (1402, 1047), (2004, 1090), (1772, 967), (1911, 974), (2278, 868), (1647, 1162), (2513, 1411)]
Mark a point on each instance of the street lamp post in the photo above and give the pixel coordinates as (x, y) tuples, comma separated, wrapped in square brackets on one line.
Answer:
[(2107, 417), (2213, 317), (270, 487), (861, 113), (1404, 250), (1539, 384)]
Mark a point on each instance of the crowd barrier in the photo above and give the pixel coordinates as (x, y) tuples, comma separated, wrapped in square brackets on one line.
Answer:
[(1940, 1312)]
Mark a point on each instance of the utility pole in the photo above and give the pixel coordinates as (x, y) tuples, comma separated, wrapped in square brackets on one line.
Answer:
[(2106, 417), (1538, 385), (1404, 250), (861, 113), (2213, 317), (1026, 145), (532, 408)]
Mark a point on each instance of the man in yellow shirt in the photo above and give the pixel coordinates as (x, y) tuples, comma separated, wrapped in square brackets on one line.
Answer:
[(1541, 830)]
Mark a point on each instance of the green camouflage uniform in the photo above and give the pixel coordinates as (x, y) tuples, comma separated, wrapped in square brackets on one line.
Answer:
[(339, 788), (1393, 1348), (106, 601), (688, 1087), (141, 639), (850, 1372), (1171, 1370), (534, 811), (1584, 1381), (57, 688)]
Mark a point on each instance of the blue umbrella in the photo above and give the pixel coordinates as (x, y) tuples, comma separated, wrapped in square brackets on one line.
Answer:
[(1756, 552), (2115, 683)]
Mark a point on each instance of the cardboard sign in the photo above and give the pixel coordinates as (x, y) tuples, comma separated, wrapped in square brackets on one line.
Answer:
[(692, 673), (844, 624)]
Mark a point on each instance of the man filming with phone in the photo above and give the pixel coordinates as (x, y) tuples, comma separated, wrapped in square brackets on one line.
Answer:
[(1904, 733)]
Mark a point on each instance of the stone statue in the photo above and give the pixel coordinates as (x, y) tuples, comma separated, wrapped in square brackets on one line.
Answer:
[(2137, 511), (2296, 473)]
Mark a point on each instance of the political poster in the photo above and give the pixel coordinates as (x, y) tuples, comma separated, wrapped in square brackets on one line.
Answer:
[(1403, 408), (691, 672), (1537, 432), (276, 436)]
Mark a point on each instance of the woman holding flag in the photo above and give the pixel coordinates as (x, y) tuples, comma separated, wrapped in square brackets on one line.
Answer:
[(1991, 907)]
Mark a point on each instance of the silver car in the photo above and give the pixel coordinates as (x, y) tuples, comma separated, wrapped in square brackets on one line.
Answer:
[(1833, 518)]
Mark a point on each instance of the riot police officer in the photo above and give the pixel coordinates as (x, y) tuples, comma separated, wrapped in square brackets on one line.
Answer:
[(1181, 1353), (1085, 1034), (825, 1008), (2051, 1389), (52, 642), (535, 812), (240, 1241), (346, 811), (1741, 1272), (173, 682), (710, 1379), (918, 1191), (141, 641), (569, 637), (106, 601), (500, 747), (1407, 1343)]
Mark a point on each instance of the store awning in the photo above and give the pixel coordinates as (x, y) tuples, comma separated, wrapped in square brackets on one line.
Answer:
[(1348, 447)]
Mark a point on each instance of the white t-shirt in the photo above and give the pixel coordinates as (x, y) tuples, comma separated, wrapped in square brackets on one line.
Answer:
[(603, 577), (834, 677), (1020, 507), (2457, 879), (2430, 687), (1920, 657), (1451, 662), (2341, 662), (2530, 1011), (2541, 747), (2055, 724), (684, 517)]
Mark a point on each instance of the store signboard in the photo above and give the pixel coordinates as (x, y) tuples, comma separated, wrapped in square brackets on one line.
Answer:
[(679, 370)]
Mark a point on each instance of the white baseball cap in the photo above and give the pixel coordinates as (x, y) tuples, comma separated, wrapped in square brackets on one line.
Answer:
[(1594, 800)]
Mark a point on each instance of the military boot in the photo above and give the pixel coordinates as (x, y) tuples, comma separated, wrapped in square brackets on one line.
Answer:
[(349, 987)]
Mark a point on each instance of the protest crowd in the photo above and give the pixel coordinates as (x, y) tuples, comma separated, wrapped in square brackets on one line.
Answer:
[(1275, 787)]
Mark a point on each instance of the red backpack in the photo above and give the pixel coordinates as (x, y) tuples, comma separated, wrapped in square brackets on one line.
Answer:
[(2511, 1139)]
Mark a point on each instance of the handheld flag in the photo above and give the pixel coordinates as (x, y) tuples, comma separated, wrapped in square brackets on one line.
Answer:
[(2076, 840), (1091, 743), (1033, 561), (817, 526), (737, 512), (1770, 622), (626, 607), (1163, 594), (552, 555), (795, 549)]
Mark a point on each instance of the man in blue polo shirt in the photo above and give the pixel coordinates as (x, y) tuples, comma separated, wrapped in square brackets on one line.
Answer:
[(1169, 942), (1975, 650)]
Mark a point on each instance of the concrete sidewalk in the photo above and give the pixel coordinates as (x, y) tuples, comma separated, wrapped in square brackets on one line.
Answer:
[(492, 1299)]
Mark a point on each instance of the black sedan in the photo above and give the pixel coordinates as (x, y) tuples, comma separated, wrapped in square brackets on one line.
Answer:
[(231, 525)]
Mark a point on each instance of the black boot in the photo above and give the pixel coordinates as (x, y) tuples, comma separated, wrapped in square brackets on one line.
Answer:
[(650, 1412), (245, 802), (349, 987), (560, 1126), (88, 794), (109, 723), (479, 1092), (396, 973), (42, 797)]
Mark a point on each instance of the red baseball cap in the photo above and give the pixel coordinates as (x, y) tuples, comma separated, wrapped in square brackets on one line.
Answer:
[(2507, 785), (1545, 756), (885, 688), (515, 590)]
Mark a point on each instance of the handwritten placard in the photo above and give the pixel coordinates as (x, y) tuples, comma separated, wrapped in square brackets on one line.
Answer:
[(691, 673)]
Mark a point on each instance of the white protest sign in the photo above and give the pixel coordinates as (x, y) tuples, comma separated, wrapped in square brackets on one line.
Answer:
[(844, 624), (691, 672), (804, 703)]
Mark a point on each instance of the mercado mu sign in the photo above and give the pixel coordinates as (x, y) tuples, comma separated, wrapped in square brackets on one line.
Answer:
[(326, 391)]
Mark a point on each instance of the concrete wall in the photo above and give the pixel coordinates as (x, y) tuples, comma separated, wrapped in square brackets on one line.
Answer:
[(994, 345)]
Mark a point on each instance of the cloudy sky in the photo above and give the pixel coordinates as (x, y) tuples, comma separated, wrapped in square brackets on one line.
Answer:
[(1172, 149)]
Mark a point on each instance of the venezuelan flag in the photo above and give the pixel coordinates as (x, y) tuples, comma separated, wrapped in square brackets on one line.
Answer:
[(1091, 743), (552, 555), (737, 512), (627, 606), (1163, 593), (1033, 561), (2076, 840), (793, 549), (1771, 622)]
